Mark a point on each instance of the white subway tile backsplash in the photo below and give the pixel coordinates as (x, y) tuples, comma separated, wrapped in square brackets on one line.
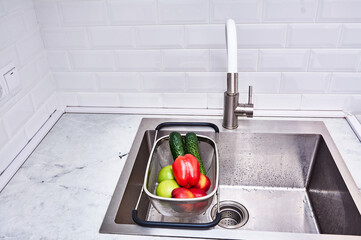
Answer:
[(289, 10), (18, 115), (14, 5), (92, 60), (215, 100), (112, 37), (247, 60), (2, 10), (283, 60), (30, 47), (189, 100), (83, 12), (28, 76), (21, 44), (185, 11), (41, 92), (205, 36), (262, 82), (351, 36), (133, 12), (277, 101), (163, 82), (304, 82), (36, 122), (12, 149), (9, 55), (241, 11), (353, 105), (12, 28), (30, 19), (118, 81), (207, 82), (261, 35), (67, 99), (160, 37), (99, 99), (323, 102), (58, 61), (185, 60), (47, 13), (334, 60), (311, 35), (42, 66), (75, 81), (3, 135), (141, 100), (65, 38), (52, 104), (142, 52), (346, 83), (139, 60), (339, 11)]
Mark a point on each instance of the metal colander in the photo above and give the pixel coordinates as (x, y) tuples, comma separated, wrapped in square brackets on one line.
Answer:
[(160, 157)]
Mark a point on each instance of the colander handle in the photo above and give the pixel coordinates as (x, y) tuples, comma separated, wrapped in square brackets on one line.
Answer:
[(174, 224), (187, 124)]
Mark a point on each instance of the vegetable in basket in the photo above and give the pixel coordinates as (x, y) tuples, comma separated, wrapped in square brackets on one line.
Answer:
[(192, 147), (186, 170), (176, 145)]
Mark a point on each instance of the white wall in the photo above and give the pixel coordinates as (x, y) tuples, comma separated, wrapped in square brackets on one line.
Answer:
[(171, 53), (21, 43)]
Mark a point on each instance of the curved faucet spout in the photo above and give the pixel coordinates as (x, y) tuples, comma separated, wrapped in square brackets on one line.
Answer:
[(231, 41), (232, 108)]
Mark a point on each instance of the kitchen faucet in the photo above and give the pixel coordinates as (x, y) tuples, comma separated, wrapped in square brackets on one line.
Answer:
[(232, 108)]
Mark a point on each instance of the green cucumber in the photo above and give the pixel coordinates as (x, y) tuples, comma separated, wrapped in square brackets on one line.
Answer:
[(192, 148), (176, 145)]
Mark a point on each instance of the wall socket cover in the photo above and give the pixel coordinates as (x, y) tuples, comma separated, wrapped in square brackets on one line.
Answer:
[(9, 82), (12, 80), (3, 90)]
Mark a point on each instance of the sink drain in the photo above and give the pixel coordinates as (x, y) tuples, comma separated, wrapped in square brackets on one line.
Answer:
[(233, 214)]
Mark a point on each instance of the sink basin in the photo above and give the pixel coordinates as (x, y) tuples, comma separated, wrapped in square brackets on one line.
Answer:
[(287, 176)]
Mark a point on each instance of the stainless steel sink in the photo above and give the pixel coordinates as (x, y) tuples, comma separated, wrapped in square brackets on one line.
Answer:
[(288, 176)]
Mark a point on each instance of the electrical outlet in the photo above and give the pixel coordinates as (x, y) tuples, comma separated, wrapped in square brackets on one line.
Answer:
[(9, 82), (12, 80), (3, 90)]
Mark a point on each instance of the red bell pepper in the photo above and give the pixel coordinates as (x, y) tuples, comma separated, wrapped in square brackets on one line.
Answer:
[(186, 170)]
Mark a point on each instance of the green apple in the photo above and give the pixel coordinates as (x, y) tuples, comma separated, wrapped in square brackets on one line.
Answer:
[(166, 173), (166, 187)]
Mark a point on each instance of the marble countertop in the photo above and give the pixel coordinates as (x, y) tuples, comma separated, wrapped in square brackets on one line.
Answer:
[(64, 188)]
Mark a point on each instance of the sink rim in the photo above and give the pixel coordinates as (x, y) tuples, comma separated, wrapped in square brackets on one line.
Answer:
[(246, 126)]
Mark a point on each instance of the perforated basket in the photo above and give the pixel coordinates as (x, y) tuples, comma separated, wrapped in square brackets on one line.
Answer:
[(160, 157)]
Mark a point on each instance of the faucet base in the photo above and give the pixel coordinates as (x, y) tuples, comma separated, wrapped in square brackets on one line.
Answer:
[(230, 120), (232, 109)]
